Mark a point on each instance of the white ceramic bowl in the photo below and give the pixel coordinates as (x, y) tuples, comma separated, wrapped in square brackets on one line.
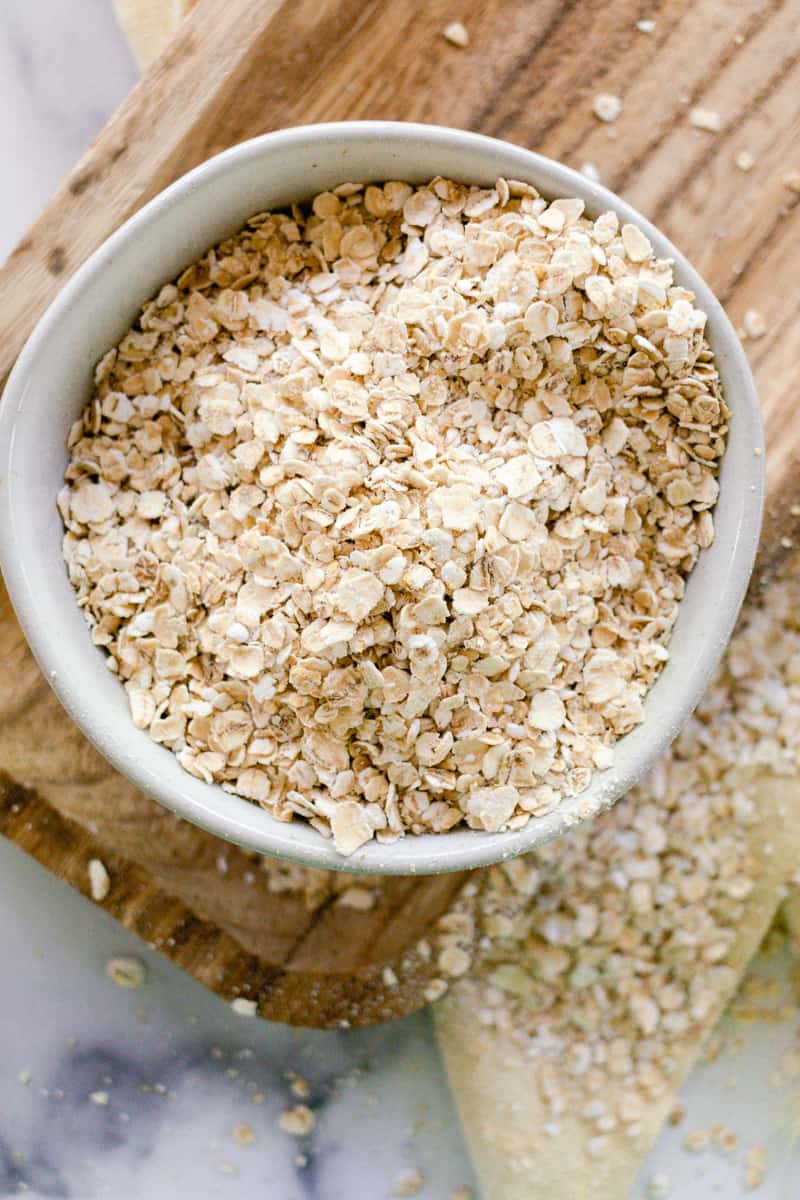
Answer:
[(51, 383)]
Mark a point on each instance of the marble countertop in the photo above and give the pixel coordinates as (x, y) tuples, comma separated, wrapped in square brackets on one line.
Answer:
[(106, 1092)]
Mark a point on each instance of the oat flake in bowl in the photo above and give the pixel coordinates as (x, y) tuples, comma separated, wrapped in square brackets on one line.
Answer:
[(383, 511)]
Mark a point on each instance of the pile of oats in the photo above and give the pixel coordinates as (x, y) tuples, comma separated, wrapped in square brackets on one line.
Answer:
[(383, 510), (603, 952), (323, 888)]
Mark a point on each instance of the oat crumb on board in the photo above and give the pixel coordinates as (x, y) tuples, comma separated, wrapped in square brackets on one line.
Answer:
[(101, 1099), (606, 107), (745, 161), (362, 899), (707, 119), (243, 1007), (99, 879), (754, 323), (434, 990), (457, 34)]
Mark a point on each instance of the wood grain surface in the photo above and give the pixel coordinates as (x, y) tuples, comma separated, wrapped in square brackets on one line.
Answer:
[(528, 75)]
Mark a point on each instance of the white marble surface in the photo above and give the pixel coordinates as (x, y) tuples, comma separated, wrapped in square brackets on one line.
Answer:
[(179, 1068)]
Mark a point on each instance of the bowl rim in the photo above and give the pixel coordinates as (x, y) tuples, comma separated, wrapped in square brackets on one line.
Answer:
[(246, 823)]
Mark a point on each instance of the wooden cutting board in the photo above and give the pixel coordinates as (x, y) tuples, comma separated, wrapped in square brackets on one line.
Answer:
[(529, 75)]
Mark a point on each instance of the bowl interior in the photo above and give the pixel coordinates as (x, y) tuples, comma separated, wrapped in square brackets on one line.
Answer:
[(51, 383)]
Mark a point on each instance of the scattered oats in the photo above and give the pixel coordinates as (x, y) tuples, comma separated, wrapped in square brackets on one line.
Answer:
[(299, 1086), (705, 118), (454, 961), (456, 33), (434, 990), (697, 1141), (244, 1008), (713, 1047), (754, 323), (590, 171), (297, 1121), (409, 1182), (389, 548), (788, 1069), (745, 160), (24, 1076), (99, 879), (99, 1098), (360, 898), (243, 1134), (661, 880), (659, 1187), (791, 180), (464, 1192), (606, 107), (755, 1166), (645, 26), (724, 1138), (126, 972)]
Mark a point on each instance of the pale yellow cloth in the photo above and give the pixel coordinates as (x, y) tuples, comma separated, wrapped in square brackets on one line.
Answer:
[(149, 24)]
